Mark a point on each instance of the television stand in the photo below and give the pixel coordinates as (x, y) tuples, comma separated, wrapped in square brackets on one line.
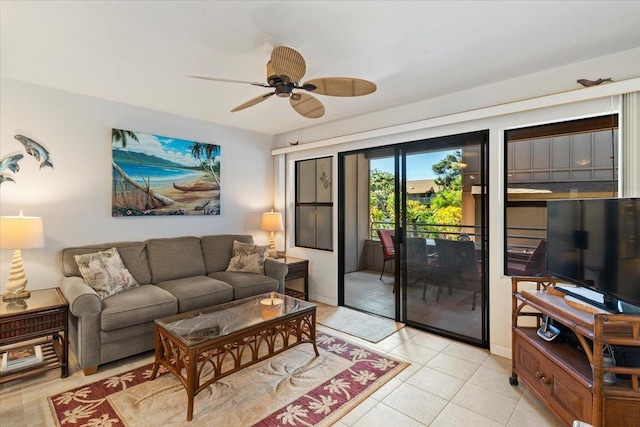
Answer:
[(568, 381)]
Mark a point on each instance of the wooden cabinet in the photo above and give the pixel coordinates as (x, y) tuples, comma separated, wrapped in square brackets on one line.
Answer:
[(567, 391), (567, 379)]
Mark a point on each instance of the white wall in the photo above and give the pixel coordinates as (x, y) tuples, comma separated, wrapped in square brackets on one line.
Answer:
[(74, 198)]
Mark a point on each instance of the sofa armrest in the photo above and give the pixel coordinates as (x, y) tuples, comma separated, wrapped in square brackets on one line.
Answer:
[(278, 270), (83, 299), (84, 323)]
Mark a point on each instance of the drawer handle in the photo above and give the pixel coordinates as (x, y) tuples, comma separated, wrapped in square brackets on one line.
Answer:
[(544, 379)]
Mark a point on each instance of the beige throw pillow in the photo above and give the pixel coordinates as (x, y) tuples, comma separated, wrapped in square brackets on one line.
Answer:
[(247, 258), (105, 272)]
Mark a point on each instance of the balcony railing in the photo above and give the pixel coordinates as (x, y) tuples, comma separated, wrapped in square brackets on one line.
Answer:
[(517, 237), (428, 230)]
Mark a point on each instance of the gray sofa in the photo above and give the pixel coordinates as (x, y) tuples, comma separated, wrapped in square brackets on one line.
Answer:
[(176, 275)]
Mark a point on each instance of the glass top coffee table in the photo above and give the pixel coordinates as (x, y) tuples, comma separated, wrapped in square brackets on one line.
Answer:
[(202, 346)]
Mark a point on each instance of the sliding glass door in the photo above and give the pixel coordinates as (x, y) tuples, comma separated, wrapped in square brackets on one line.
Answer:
[(444, 236), (428, 198)]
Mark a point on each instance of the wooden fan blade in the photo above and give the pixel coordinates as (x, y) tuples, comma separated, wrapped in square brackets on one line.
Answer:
[(252, 102), (288, 62), (342, 86), (229, 81), (306, 105)]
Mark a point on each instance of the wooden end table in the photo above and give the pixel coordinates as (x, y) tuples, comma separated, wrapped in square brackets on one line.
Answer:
[(42, 319), (298, 269)]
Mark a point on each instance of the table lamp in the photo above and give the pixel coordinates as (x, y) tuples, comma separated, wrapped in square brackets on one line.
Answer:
[(19, 232), (272, 222)]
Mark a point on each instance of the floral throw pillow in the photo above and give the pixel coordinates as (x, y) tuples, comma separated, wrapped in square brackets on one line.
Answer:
[(105, 272), (247, 258)]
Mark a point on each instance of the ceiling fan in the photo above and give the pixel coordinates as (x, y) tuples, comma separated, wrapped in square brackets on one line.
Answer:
[(284, 73)]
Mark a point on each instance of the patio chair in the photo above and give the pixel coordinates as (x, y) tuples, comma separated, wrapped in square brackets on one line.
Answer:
[(458, 266), (388, 248), (420, 264), (534, 265)]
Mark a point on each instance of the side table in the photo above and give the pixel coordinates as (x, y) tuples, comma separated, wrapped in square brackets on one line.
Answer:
[(42, 319), (298, 269)]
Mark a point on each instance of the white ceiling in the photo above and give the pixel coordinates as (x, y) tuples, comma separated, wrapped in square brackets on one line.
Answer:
[(139, 52)]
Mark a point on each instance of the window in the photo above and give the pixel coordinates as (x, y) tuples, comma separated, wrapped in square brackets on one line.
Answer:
[(573, 159), (314, 204)]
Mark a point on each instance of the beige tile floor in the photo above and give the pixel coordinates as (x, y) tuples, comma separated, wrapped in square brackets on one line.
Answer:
[(447, 384)]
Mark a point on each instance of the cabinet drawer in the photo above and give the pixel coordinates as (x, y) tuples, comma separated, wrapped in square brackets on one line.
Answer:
[(32, 324), (567, 397), (527, 362)]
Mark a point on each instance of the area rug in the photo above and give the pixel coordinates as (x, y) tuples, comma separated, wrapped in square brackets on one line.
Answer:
[(361, 325), (293, 388)]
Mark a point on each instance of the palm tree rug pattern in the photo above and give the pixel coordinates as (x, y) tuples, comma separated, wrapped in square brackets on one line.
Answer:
[(292, 388)]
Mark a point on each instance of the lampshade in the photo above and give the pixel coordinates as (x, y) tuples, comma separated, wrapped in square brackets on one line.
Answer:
[(21, 232), (272, 221)]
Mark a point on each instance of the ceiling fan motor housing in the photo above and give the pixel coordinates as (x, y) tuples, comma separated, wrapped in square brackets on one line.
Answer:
[(281, 84)]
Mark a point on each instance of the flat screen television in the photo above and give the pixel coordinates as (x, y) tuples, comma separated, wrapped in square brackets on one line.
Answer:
[(595, 244)]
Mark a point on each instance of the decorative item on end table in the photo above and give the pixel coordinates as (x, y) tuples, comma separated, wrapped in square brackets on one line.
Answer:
[(272, 222), (19, 232), (18, 358)]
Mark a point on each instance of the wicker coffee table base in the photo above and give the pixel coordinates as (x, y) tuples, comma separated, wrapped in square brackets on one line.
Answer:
[(219, 357)]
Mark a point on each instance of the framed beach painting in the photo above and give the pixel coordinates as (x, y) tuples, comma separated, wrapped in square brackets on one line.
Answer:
[(159, 175)]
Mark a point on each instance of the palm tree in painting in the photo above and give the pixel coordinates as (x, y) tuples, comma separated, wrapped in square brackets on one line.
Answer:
[(125, 198), (119, 135), (209, 164), (197, 150)]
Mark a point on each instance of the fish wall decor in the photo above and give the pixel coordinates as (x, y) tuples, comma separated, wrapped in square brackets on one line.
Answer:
[(32, 148), (36, 150), (9, 162)]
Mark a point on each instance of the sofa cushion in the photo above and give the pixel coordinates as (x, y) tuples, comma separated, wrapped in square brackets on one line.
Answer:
[(105, 272), (197, 292), (248, 258), (246, 284), (175, 258), (133, 255), (217, 250), (139, 305)]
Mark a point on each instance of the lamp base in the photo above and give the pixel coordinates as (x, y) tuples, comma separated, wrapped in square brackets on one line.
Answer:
[(10, 296)]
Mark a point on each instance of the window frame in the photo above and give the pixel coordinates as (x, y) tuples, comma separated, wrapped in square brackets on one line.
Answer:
[(321, 177), (599, 123)]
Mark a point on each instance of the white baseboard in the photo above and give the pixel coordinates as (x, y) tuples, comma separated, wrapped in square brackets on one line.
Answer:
[(499, 350)]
